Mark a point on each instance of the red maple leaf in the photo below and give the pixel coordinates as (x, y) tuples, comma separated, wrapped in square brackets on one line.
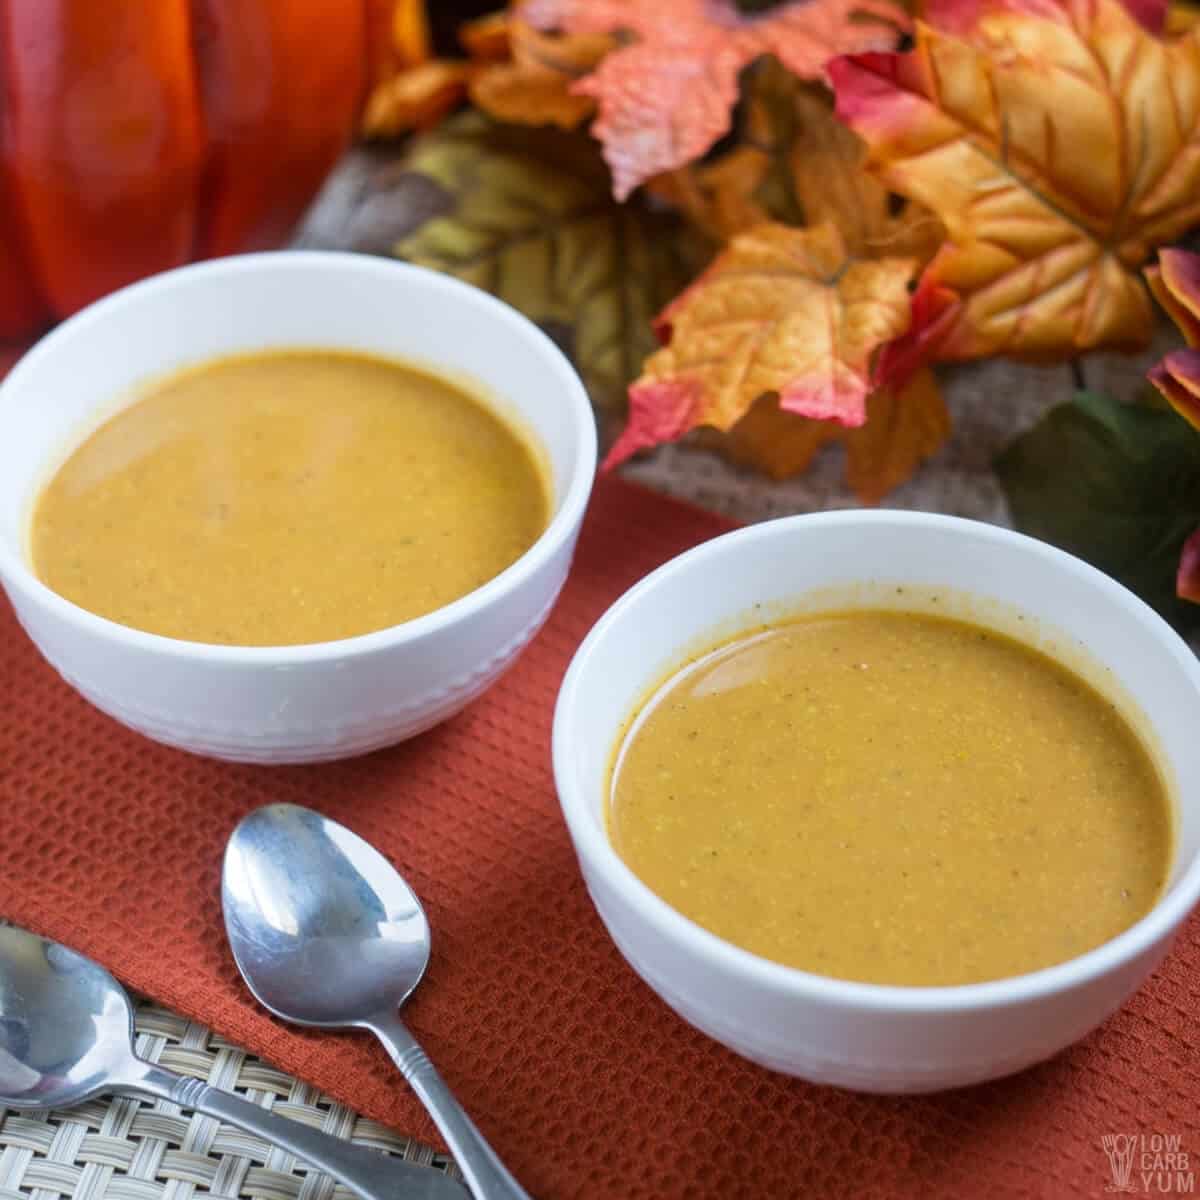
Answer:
[(665, 98), (1175, 282)]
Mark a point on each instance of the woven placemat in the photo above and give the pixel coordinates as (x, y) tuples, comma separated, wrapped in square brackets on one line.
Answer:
[(113, 1148)]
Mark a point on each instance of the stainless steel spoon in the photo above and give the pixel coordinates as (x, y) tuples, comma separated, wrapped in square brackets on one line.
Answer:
[(327, 933), (66, 1035)]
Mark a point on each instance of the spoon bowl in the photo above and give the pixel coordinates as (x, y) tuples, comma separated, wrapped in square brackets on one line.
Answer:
[(65, 1024), (335, 954), (325, 932)]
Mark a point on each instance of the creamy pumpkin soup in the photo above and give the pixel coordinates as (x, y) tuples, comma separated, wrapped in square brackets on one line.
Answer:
[(894, 798), (288, 497)]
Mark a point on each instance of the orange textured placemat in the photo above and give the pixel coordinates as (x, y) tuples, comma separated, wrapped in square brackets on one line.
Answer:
[(584, 1081)]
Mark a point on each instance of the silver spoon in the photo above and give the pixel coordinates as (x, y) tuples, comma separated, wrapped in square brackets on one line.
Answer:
[(66, 1035), (326, 932)]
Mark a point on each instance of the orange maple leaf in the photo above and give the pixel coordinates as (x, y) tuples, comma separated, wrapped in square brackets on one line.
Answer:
[(781, 310), (417, 97), (1179, 17), (827, 168), (666, 97), (1057, 140), (795, 162), (903, 428), (411, 89), (534, 88), (487, 38), (719, 198)]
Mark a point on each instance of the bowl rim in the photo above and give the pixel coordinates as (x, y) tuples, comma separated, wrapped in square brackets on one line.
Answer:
[(598, 854), (16, 573)]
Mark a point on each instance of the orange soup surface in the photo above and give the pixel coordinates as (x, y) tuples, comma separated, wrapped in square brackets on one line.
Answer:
[(288, 497), (894, 798)]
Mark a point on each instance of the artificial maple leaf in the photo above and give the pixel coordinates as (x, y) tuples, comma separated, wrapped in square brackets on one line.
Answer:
[(1177, 376), (411, 89), (831, 183), (666, 97), (415, 98), (417, 90), (487, 38), (727, 193), (1056, 140), (780, 310), (1180, 18), (534, 88), (1175, 283), (908, 420), (777, 443), (1152, 15), (933, 308), (527, 215), (903, 428), (795, 162), (719, 197)]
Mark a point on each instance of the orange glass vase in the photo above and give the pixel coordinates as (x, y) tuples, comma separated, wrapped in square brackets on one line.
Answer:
[(140, 134)]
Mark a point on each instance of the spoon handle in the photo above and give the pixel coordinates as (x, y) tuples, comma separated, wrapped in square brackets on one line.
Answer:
[(371, 1174), (487, 1176)]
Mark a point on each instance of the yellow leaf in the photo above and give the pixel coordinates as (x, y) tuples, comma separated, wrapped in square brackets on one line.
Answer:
[(1182, 17), (1057, 142), (719, 197), (416, 98), (777, 443), (535, 88), (781, 310), (817, 170), (529, 95), (902, 430), (486, 39), (831, 183), (795, 162)]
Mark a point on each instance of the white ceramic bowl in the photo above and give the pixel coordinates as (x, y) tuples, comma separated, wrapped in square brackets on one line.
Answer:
[(864, 1036), (329, 699)]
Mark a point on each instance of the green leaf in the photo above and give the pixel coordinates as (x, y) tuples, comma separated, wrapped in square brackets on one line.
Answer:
[(532, 220), (1118, 485)]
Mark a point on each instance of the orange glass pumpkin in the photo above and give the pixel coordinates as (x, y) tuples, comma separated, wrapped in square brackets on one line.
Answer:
[(140, 134)]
